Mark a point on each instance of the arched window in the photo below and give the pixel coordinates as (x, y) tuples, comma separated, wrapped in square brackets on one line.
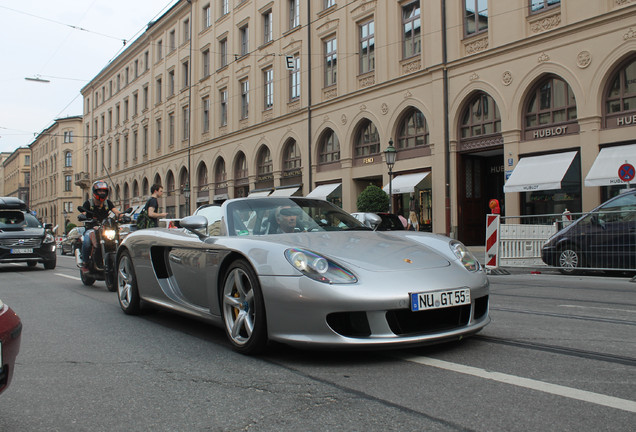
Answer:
[(157, 179), (481, 117), (329, 148), (367, 140), (126, 195), (620, 97), (291, 157), (184, 179), (202, 176), (412, 131), (68, 159), (144, 187), (170, 189), (550, 102), (220, 176), (240, 169), (265, 166), (135, 189)]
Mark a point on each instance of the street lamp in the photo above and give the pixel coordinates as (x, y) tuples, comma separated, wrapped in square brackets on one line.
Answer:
[(389, 156), (186, 194)]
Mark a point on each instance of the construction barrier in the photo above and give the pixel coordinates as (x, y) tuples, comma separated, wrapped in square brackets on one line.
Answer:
[(492, 241)]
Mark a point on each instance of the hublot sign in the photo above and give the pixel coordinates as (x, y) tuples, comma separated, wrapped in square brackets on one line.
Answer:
[(549, 132), (626, 121)]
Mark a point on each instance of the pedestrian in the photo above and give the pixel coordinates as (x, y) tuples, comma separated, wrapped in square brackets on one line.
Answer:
[(403, 220), (413, 224), (152, 205)]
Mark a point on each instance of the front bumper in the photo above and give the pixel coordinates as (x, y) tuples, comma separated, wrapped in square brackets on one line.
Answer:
[(46, 252)]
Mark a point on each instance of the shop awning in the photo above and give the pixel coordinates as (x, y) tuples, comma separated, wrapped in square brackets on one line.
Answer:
[(604, 171), (259, 193), (535, 173), (405, 183), (284, 192), (323, 191)]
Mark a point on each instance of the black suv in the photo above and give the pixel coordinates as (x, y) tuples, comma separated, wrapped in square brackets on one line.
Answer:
[(22, 237)]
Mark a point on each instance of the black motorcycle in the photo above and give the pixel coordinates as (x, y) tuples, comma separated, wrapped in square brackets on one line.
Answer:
[(101, 263)]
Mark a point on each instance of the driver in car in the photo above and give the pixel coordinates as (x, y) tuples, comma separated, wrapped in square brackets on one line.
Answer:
[(286, 219)]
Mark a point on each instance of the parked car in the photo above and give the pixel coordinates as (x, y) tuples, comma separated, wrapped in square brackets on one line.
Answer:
[(604, 238), (390, 221), (302, 271), (23, 238), (72, 241), (10, 336)]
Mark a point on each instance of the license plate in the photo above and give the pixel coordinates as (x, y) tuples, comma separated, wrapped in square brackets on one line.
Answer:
[(439, 299), (22, 251)]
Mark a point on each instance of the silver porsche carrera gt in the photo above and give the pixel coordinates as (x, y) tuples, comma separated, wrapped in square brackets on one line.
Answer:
[(303, 272)]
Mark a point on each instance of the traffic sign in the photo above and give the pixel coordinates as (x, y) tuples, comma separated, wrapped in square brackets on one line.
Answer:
[(626, 172)]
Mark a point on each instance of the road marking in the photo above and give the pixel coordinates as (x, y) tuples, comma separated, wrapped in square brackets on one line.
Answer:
[(67, 276), (599, 308), (572, 393)]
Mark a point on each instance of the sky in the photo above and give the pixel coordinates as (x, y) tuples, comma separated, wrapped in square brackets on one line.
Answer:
[(67, 42)]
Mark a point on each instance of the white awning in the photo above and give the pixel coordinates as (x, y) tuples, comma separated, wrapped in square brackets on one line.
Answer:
[(405, 183), (323, 191), (285, 192), (261, 193), (535, 173), (604, 171)]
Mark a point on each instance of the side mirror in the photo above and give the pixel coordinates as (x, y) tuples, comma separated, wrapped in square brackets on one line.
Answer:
[(373, 220), (195, 224)]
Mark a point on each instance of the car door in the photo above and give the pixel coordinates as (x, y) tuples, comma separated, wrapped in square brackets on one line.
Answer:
[(613, 243), (193, 264)]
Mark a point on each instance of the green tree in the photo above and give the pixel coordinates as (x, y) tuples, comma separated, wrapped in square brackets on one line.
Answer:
[(373, 199), (69, 227)]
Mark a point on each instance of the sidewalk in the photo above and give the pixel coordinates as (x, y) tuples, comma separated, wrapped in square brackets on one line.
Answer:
[(480, 254)]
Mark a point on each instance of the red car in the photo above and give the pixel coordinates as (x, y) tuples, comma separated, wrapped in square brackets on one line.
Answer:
[(10, 334)]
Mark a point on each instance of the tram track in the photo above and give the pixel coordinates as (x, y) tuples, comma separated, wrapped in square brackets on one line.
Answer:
[(566, 316)]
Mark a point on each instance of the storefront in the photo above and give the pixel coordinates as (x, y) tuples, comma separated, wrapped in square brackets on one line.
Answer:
[(604, 171), (331, 192), (412, 192)]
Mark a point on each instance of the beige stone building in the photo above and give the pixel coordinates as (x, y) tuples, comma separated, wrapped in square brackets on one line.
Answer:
[(3, 157), (17, 174), (56, 156), (232, 97)]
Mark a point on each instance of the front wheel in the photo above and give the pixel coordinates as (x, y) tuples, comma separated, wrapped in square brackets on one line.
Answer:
[(86, 280), (50, 265), (244, 309), (126, 284), (570, 261), (109, 274)]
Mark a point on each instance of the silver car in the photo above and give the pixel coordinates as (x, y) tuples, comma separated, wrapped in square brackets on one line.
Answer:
[(303, 272)]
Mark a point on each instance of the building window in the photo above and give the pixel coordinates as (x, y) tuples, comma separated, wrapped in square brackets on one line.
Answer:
[(117, 153), (117, 110), (245, 99), (225, 7), (223, 110), (329, 148), (159, 82), (171, 83), (125, 110), (171, 129), (68, 183), (411, 26), (186, 30), (68, 159), (186, 123), (267, 27), (481, 117), (294, 79), (367, 140), (294, 13), (206, 63), (244, 39), (291, 157), (541, 5), (367, 47), (328, 3), (207, 16), (265, 165), (475, 16), (145, 140), (412, 131), (223, 52), (331, 61), (268, 77), (159, 134), (220, 176), (135, 104), (240, 169), (551, 102), (186, 73), (68, 136), (135, 145), (159, 50), (206, 115), (621, 94), (172, 40)]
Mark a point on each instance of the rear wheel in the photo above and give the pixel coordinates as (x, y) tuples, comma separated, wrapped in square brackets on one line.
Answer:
[(126, 285), (244, 309), (570, 261), (86, 280)]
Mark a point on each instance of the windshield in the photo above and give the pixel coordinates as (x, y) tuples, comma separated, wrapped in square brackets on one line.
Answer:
[(18, 219), (264, 216)]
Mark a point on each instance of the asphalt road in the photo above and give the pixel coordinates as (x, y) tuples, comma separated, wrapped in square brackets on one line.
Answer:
[(559, 354)]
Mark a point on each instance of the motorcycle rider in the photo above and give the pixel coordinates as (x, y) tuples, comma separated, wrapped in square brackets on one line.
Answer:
[(98, 205)]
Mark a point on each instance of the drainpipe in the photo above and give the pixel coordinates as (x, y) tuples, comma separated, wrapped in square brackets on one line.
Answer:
[(447, 179), (309, 95)]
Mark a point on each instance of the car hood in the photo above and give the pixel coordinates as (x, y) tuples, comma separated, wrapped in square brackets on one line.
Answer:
[(378, 251)]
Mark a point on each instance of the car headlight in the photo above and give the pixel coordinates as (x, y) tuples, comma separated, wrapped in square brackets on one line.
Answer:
[(109, 234), (318, 267), (48, 238), (467, 259)]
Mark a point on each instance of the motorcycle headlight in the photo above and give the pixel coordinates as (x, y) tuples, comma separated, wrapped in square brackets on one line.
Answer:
[(48, 238), (109, 234), (467, 259), (318, 267)]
